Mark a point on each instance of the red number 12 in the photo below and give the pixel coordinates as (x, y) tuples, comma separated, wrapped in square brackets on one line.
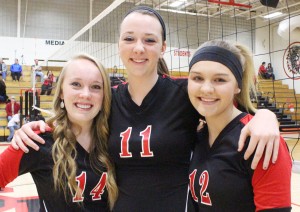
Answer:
[(203, 182)]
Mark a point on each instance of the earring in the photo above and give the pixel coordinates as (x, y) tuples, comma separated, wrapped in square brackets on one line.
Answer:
[(62, 104)]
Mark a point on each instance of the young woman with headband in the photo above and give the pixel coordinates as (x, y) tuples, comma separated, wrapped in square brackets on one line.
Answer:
[(220, 179)]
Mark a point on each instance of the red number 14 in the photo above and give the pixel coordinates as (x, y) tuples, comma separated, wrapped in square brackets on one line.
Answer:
[(96, 192)]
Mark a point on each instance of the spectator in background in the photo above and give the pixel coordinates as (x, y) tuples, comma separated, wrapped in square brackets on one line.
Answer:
[(37, 70), (39, 116), (16, 70), (115, 72), (262, 71), (12, 125), (115, 77), (3, 96), (12, 108), (3, 68), (270, 72), (47, 85)]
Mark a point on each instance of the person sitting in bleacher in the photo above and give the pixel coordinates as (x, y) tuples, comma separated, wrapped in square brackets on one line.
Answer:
[(262, 71), (16, 70), (12, 125), (3, 69), (37, 70), (12, 108), (270, 72), (115, 77), (3, 96), (47, 85)]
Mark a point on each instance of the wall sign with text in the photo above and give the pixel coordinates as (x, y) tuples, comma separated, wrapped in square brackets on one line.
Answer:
[(54, 42), (182, 53)]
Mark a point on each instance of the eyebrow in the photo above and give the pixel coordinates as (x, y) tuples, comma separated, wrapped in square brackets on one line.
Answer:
[(222, 74), (132, 32), (79, 79), (218, 74)]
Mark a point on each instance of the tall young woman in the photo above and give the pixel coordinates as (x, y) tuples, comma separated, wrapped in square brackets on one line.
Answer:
[(220, 179), (72, 171), (153, 124)]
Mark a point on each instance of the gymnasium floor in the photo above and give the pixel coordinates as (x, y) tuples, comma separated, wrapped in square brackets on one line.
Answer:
[(21, 195)]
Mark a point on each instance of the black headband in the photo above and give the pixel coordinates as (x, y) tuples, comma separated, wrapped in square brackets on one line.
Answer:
[(220, 55), (149, 9)]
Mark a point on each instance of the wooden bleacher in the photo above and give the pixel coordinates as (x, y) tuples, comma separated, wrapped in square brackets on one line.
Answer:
[(279, 98), (276, 92), (14, 89), (179, 74), (172, 73)]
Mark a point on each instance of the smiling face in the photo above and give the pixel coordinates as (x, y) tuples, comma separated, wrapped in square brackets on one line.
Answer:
[(211, 88), (82, 91), (13, 101), (141, 44)]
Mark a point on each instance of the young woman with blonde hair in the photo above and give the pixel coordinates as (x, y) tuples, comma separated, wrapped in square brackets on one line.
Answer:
[(221, 74), (72, 171)]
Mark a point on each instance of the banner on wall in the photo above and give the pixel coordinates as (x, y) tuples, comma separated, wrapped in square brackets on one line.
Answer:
[(291, 61), (182, 53)]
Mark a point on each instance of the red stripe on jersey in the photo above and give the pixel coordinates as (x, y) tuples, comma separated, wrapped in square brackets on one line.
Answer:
[(177, 77), (9, 165), (116, 86), (272, 187), (246, 119), (47, 129), (10, 161)]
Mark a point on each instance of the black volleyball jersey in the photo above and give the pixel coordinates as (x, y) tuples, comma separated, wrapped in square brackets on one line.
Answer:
[(40, 163), (221, 180), (151, 147)]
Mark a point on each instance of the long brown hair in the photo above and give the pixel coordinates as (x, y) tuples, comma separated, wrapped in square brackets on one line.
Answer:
[(64, 148)]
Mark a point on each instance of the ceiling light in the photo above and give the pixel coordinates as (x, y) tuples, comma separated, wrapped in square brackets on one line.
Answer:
[(272, 15), (177, 3)]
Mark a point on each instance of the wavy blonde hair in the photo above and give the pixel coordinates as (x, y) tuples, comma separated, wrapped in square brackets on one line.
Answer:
[(245, 58), (64, 148)]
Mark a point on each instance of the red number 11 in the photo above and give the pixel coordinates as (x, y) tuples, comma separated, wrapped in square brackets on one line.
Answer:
[(146, 134)]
